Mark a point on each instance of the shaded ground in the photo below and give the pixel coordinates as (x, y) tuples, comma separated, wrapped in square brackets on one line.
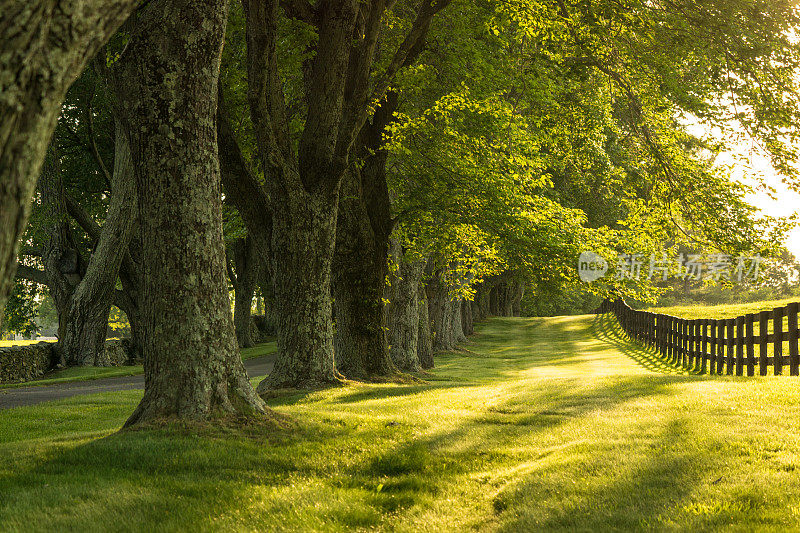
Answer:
[(21, 396)]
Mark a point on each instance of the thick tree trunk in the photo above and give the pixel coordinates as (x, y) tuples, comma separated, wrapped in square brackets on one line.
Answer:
[(424, 337), (166, 83), (441, 311), (494, 300), (359, 274), (480, 305), (304, 178), (507, 295), (59, 255), (516, 305), (360, 258), (403, 312), (458, 335), (466, 318), (44, 46), (303, 232)]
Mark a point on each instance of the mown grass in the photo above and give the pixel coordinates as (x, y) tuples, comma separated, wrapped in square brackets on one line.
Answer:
[(722, 311), (553, 424), (88, 373)]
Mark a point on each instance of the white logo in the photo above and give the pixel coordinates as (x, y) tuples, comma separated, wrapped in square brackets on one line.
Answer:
[(591, 266)]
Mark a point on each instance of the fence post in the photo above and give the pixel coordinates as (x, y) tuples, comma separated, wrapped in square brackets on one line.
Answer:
[(687, 347), (763, 333), (703, 345), (720, 347), (748, 339), (730, 323), (777, 341), (712, 351), (673, 338), (657, 334), (739, 345), (668, 337), (685, 342), (791, 325)]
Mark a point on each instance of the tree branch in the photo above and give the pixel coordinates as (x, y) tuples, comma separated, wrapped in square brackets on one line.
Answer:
[(32, 274), (77, 212)]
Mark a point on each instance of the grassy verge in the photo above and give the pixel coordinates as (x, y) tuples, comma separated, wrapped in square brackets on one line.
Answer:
[(721, 311), (551, 424), (94, 372)]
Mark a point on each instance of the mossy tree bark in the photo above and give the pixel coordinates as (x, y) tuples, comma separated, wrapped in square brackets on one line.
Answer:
[(360, 258), (83, 292), (457, 335), (44, 45), (466, 318), (441, 312), (166, 83), (424, 335), (404, 311), (83, 340)]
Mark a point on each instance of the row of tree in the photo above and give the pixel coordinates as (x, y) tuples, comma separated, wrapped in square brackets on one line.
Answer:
[(382, 173)]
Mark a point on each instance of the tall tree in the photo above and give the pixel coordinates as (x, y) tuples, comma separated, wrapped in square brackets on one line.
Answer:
[(340, 80), (166, 83)]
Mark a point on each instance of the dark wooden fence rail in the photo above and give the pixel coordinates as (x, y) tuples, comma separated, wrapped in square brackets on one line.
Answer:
[(722, 346)]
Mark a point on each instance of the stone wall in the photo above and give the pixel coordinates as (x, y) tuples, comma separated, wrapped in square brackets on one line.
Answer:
[(25, 363)]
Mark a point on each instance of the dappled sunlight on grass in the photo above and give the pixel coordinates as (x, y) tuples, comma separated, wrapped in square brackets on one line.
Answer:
[(549, 424)]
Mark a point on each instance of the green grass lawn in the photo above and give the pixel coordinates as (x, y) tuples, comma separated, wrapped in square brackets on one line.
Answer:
[(67, 375), (550, 424), (721, 311)]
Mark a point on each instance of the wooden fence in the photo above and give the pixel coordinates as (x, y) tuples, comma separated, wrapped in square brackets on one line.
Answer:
[(722, 346)]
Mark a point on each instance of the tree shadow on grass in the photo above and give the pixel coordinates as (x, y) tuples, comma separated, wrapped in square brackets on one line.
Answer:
[(607, 329), (617, 495)]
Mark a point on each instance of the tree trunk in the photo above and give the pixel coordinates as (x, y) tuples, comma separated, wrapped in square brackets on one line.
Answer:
[(457, 324), (358, 276), (166, 83), (44, 46), (466, 318), (246, 262), (507, 295), (440, 309), (59, 255), (83, 341), (404, 311), (424, 337), (304, 233), (480, 305), (360, 258), (494, 300), (516, 305)]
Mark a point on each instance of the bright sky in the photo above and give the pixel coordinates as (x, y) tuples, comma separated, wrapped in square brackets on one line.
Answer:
[(783, 202), (747, 159)]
